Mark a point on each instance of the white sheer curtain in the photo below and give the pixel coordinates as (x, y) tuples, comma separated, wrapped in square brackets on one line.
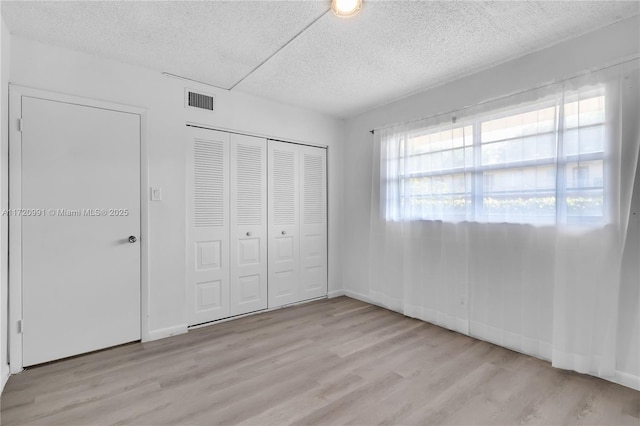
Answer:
[(507, 220)]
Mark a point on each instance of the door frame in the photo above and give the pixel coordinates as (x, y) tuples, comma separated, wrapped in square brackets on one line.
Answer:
[(14, 173)]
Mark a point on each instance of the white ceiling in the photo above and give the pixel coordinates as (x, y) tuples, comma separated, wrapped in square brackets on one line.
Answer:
[(337, 66)]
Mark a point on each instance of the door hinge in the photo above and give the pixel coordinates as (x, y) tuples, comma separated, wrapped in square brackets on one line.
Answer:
[(20, 327), (20, 124)]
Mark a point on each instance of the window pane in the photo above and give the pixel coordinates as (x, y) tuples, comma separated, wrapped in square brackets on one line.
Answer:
[(514, 208), (496, 153), (584, 112), (525, 149), (442, 140), (519, 125), (440, 151), (585, 191), (439, 185), (584, 140), (440, 207), (468, 157), (585, 174), (539, 147), (588, 204), (438, 197), (526, 192), (522, 179)]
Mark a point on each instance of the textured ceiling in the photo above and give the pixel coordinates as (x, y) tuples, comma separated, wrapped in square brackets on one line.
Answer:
[(214, 42), (338, 66)]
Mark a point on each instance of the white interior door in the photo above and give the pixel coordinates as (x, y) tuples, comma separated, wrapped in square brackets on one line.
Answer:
[(313, 222), (208, 226), (80, 272), (284, 257), (248, 243)]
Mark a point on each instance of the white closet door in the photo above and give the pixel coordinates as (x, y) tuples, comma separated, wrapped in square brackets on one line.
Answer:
[(313, 222), (208, 230), (248, 224), (284, 261)]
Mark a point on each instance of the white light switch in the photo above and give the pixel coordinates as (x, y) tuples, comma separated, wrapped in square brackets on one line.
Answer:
[(156, 193)]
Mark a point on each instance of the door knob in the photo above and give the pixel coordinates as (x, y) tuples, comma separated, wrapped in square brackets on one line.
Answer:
[(284, 232), (248, 234), (132, 239)]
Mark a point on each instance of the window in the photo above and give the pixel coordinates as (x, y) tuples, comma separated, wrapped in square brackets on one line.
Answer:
[(535, 164), (581, 176)]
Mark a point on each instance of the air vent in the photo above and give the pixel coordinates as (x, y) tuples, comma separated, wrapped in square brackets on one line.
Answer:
[(199, 100)]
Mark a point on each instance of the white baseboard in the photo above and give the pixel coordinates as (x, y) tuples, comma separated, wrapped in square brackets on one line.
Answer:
[(5, 376), (335, 293), (361, 297), (626, 379), (621, 378), (166, 332)]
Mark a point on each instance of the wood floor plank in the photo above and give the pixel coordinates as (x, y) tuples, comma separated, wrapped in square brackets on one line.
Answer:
[(328, 362), (306, 403)]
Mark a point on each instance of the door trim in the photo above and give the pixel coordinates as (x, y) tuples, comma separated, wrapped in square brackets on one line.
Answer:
[(15, 223), (257, 135)]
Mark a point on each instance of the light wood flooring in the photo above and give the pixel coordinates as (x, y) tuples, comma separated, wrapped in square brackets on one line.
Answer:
[(332, 362)]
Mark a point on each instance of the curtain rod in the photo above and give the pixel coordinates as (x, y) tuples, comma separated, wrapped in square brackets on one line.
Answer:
[(372, 131)]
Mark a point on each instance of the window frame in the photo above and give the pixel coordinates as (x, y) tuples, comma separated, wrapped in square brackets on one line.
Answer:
[(476, 170)]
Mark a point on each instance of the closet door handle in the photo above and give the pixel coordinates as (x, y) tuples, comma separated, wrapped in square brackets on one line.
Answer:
[(249, 234), (284, 232)]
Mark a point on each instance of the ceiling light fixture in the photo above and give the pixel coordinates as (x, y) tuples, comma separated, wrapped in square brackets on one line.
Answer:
[(346, 8)]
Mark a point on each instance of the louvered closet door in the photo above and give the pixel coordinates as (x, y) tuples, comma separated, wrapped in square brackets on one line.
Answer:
[(284, 260), (248, 252), (313, 222), (208, 229)]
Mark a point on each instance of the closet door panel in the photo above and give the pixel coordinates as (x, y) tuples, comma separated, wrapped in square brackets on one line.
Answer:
[(313, 222), (283, 188), (248, 288), (208, 226)]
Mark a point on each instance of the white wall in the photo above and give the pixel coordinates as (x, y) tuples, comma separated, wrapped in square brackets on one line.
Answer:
[(61, 70), (603, 47), (629, 319), (5, 51)]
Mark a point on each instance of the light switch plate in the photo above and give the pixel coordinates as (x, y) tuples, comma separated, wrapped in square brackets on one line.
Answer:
[(156, 193)]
